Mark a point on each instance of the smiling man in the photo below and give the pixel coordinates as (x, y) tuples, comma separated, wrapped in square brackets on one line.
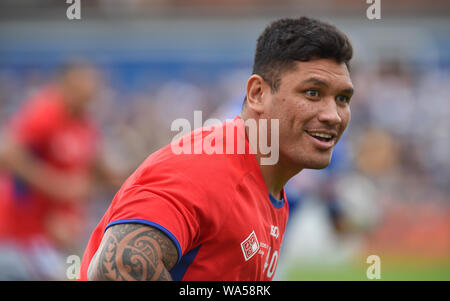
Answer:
[(300, 77), (223, 216)]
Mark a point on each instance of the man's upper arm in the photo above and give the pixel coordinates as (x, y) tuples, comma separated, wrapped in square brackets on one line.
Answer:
[(133, 252)]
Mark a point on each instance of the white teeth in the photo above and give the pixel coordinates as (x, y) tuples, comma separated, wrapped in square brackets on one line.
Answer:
[(322, 135)]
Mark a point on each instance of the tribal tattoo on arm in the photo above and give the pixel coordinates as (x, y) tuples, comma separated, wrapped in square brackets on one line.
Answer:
[(133, 252)]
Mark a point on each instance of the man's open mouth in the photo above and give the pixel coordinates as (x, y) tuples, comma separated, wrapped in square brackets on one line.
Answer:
[(321, 136)]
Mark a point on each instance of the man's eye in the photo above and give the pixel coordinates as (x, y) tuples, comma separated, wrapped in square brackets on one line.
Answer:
[(343, 98), (312, 93)]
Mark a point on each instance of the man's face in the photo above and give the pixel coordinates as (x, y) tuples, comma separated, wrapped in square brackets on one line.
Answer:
[(312, 105), (81, 86)]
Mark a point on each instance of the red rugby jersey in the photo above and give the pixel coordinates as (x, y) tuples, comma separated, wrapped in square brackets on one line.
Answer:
[(216, 209)]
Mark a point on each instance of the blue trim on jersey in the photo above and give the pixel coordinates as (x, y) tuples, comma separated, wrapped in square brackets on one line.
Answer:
[(21, 191), (152, 224), (276, 203), (178, 271)]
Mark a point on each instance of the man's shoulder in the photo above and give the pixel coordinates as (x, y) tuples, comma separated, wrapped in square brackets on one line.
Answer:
[(200, 172), (206, 150), (48, 98), (211, 166)]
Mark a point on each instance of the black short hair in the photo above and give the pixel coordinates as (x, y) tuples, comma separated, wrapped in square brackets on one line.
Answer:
[(302, 39)]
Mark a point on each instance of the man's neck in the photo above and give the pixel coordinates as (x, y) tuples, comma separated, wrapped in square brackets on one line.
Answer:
[(276, 175)]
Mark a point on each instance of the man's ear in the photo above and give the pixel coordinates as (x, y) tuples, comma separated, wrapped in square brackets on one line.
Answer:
[(257, 89)]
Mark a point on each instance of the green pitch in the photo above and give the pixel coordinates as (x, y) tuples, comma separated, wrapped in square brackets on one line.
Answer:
[(410, 270)]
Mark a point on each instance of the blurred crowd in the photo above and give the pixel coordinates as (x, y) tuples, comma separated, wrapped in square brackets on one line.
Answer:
[(399, 126)]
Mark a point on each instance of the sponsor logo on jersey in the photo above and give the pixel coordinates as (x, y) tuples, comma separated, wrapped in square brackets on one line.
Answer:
[(250, 246), (274, 231)]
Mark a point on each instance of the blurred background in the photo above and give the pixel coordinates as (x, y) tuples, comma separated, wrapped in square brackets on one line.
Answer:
[(140, 64)]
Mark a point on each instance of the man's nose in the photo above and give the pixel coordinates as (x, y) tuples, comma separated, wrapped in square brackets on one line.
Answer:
[(329, 112)]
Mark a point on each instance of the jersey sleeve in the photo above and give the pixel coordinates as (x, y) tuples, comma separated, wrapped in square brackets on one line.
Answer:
[(164, 199)]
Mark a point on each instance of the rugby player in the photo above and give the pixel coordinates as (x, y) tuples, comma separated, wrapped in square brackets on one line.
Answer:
[(223, 216)]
